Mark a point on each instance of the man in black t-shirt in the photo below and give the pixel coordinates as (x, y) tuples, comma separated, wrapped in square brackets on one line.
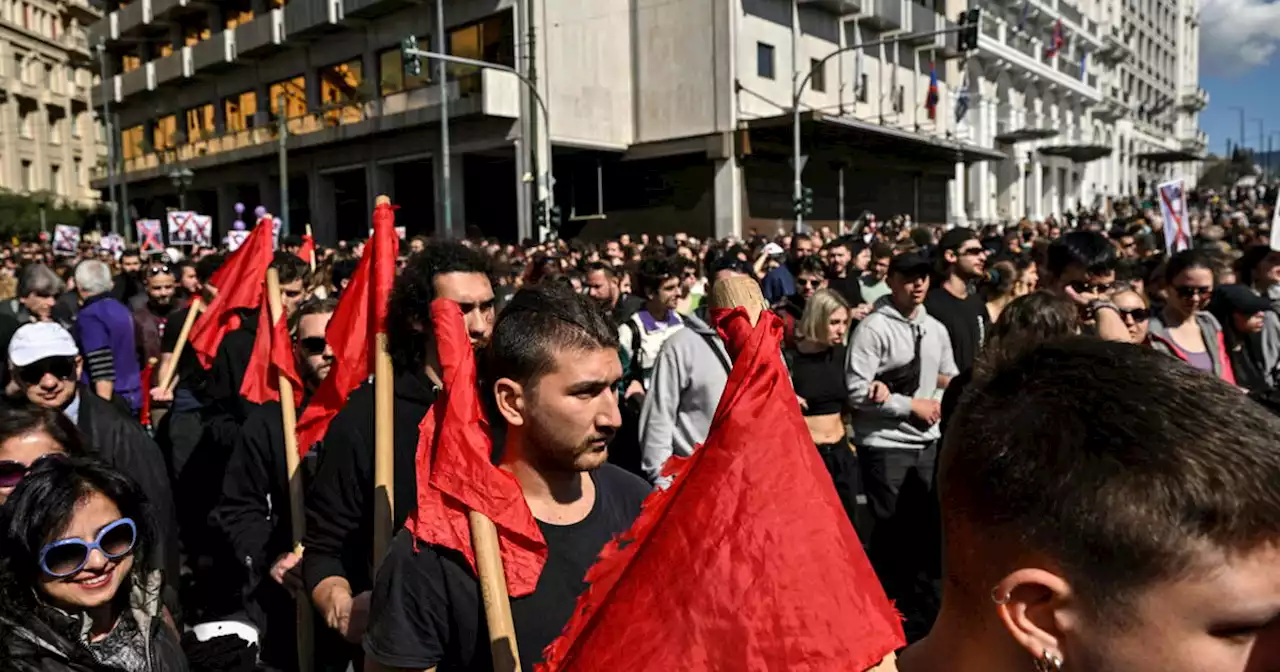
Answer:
[(963, 312), (554, 367)]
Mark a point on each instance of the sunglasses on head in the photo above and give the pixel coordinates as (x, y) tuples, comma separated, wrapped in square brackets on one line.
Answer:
[(1188, 291), (12, 473), (62, 368), (159, 269), (313, 345), (66, 557), (1082, 287)]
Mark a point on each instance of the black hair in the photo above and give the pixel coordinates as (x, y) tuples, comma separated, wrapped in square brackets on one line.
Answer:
[(609, 271), (291, 268), (954, 239), (342, 269), (1088, 249), (207, 266), (28, 418), (409, 307), (1123, 487), (39, 509), (291, 240), (654, 271), (1187, 260), (130, 251), (811, 265), (540, 321), (312, 306)]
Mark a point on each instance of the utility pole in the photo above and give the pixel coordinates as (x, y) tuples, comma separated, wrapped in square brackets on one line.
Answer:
[(129, 232), (283, 136), (446, 175), (797, 167), (1241, 111), (111, 140), (543, 181), (1261, 141)]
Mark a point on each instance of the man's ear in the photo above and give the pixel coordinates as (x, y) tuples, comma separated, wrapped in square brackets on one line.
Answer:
[(510, 398), (950, 257), (79, 367), (1037, 607)]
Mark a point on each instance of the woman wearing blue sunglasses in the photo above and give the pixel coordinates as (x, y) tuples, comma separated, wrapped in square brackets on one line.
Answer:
[(75, 594)]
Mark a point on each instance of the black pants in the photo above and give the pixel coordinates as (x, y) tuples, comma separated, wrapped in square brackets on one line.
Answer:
[(842, 464), (904, 549)]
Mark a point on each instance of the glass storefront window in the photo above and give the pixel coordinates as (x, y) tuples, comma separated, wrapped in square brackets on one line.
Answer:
[(393, 78), (200, 123), (240, 111)]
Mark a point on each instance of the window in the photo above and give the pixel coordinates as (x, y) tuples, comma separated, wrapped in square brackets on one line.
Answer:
[(77, 174), (55, 178), (862, 89), (393, 78), (164, 133), (341, 91), (200, 123), (764, 60), (75, 125), (899, 99), (240, 111), (55, 130), (238, 18), (28, 130), (491, 40), (294, 92), (18, 61), (28, 176), (131, 142), (129, 63), (818, 75)]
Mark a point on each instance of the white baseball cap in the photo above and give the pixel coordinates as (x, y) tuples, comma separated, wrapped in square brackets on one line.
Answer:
[(34, 342), (773, 249)]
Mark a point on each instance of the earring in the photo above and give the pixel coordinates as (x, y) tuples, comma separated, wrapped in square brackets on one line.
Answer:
[(997, 597), (1049, 662)]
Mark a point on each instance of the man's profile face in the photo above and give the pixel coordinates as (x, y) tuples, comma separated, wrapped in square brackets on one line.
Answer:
[(572, 411), (314, 354), (602, 288), (292, 294), (473, 293), (189, 280), (130, 264), (160, 287), (668, 293)]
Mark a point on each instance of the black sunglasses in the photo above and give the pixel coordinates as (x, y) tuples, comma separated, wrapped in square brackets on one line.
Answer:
[(1188, 291), (1082, 287), (1138, 314), (62, 368), (12, 473), (808, 282), (313, 345)]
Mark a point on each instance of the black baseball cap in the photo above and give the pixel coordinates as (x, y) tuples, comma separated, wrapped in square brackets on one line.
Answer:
[(910, 264), (1240, 299)]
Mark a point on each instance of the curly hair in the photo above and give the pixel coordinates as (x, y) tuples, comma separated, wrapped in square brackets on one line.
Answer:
[(409, 307)]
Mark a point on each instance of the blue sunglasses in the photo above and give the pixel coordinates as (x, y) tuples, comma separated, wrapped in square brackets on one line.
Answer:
[(67, 557)]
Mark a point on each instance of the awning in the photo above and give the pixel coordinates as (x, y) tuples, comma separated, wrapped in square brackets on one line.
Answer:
[(1078, 152), (878, 138), (1026, 134), (1170, 156)]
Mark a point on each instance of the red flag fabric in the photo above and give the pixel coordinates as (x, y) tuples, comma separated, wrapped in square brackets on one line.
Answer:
[(272, 356), (239, 282), (361, 314), (454, 471), (308, 251), (748, 561)]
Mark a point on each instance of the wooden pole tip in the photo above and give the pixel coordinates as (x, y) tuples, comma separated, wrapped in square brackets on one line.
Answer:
[(740, 291), (382, 198)]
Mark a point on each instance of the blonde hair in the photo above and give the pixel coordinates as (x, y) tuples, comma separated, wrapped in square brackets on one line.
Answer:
[(817, 315)]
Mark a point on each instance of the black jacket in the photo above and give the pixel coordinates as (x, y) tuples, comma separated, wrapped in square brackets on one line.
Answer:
[(51, 643), (228, 410), (339, 535), (121, 442)]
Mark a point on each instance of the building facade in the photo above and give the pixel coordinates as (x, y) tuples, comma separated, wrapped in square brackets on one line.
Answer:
[(663, 115), (49, 137)]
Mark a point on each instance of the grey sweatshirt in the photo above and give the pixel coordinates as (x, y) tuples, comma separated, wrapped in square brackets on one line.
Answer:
[(884, 341), (688, 379)]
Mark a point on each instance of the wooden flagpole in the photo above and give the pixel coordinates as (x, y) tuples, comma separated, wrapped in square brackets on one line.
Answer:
[(298, 520), (384, 438), (493, 589), (171, 367), (313, 249)]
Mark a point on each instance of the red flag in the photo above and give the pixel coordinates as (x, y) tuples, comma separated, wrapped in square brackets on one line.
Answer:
[(748, 562), (239, 282), (454, 471), (1058, 41), (308, 251), (272, 356), (361, 314)]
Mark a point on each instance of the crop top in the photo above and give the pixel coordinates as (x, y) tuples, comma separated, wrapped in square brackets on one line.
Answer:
[(819, 379)]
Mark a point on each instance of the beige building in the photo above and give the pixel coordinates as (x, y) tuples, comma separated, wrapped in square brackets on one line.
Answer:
[(49, 139), (664, 114)]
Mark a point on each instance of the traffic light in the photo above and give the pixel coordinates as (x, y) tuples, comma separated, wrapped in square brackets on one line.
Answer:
[(803, 204), (544, 216), (412, 62), (970, 22)]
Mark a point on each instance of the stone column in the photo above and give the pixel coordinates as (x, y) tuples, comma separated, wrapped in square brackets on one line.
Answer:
[(727, 188)]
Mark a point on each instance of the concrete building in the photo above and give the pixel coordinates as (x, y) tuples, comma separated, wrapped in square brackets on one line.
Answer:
[(664, 114), (49, 140)]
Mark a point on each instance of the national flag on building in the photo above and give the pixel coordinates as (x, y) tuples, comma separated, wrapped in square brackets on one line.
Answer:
[(1026, 13), (1057, 42), (931, 100), (962, 103)]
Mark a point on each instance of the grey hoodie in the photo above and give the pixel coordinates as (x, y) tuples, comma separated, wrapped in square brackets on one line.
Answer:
[(688, 379), (884, 341)]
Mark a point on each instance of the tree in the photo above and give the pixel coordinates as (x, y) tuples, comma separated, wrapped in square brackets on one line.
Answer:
[(20, 213)]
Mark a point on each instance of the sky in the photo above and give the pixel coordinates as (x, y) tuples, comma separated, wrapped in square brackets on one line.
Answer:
[(1240, 67)]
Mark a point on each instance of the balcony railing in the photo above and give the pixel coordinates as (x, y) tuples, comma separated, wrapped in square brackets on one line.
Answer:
[(303, 17), (219, 50), (839, 7), (884, 15), (496, 94), (132, 16), (1070, 13), (261, 34), (162, 8), (137, 80), (174, 66), (923, 20)]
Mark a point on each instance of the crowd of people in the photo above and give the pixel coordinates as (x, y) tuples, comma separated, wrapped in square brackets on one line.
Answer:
[(1055, 440)]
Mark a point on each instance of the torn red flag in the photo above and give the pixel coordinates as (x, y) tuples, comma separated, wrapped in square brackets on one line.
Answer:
[(308, 250), (239, 283), (361, 314), (455, 472), (748, 561), (272, 357)]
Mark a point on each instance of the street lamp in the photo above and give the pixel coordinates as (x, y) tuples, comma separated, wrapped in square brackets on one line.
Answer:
[(181, 178)]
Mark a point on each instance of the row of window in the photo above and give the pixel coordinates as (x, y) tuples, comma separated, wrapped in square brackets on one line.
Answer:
[(341, 88), (766, 67), (54, 181)]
